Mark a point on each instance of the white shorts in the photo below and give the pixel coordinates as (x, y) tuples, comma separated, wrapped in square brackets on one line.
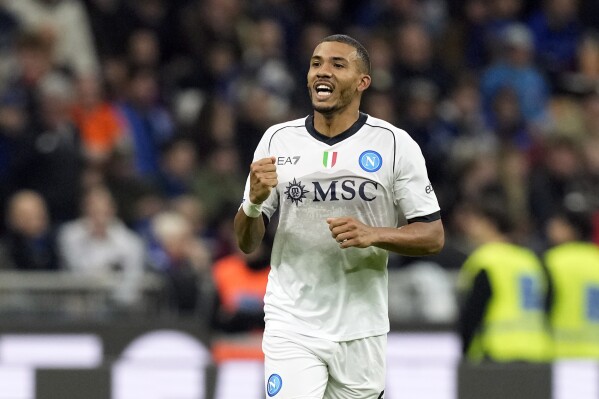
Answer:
[(302, 367)]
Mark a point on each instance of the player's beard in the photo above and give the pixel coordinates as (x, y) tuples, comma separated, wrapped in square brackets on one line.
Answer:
[(345, 97)]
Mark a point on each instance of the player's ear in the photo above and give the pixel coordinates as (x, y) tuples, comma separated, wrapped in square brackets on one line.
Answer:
[(364, 82)]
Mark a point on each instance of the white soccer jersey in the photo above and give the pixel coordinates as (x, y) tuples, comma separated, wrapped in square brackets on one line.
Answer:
[(374, 172)]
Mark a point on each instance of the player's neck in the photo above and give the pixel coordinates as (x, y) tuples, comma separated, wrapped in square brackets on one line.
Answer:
[(334, 124)]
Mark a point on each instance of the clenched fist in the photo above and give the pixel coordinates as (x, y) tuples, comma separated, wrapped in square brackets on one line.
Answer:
[(263, 178), (349, 232)]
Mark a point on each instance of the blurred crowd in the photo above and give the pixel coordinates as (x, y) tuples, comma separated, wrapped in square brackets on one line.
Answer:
[(127, 126)]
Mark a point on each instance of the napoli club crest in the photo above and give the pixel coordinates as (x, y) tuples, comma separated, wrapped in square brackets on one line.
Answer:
[(370, 161), (274, 385)]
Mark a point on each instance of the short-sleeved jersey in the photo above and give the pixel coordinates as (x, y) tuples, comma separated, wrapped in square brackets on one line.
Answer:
[(373, 172)]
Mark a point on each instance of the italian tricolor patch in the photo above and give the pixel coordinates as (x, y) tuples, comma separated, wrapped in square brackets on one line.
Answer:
[(329, 159)]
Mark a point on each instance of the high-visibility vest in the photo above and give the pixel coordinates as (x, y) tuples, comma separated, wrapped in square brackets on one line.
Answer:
[(574, 317), (514, 326)]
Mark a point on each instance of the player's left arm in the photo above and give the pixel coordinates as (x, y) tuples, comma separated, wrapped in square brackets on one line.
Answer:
[(414, 239)]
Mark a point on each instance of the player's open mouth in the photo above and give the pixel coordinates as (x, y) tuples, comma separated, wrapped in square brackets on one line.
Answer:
[(323, 91)]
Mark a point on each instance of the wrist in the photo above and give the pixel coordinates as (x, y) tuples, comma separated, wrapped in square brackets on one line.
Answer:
[(250, 209)]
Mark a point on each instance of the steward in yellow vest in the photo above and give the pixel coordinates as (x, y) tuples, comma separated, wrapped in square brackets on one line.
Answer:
[(573, 267), (503, 288)]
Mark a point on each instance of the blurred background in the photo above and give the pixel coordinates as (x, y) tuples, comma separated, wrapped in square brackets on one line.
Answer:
[(126, 131)]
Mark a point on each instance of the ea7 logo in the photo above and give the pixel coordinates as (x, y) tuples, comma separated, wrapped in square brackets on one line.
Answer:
[(288, 160)]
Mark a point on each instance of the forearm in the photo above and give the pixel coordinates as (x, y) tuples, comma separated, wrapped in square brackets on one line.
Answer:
[(249, 231), (415, 239)]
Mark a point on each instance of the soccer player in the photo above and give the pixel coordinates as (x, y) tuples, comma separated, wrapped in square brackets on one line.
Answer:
[(342, 182)]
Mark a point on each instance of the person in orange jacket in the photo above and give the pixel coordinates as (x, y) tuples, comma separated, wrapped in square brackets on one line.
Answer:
[(240, 282)]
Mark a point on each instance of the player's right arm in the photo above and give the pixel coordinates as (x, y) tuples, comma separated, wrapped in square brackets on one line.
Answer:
[(250, 230)]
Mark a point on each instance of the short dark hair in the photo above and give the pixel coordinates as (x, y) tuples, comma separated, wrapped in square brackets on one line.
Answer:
[(491, 204), (362, 53), (579, 220)]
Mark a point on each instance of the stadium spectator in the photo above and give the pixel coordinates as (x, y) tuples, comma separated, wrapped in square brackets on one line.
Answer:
[(259, 109), (110, 23), (502, 287), (502, 13), (30, 240), (380, 104), (573, 266), (514, 178), (462, 115), (421, 120), (215, 126), (240, 283), (415, 58), (557, 34), (507, 122), (33, 62), (559, 177), (51, 161), (206, 23), (193, 210), (182, 259), (388, 14), (590, 113), (474, 170), (588, 59), (515, 69), (99, 244), (381, 58), (266, 86), (149, 123), (469, 27), (14, 131), (143, 49), (178, 167), (158, 17), (218, 182), (64, 24), (330, 13), (100, 124), (138, 198), (9, 29), (264, 59)]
